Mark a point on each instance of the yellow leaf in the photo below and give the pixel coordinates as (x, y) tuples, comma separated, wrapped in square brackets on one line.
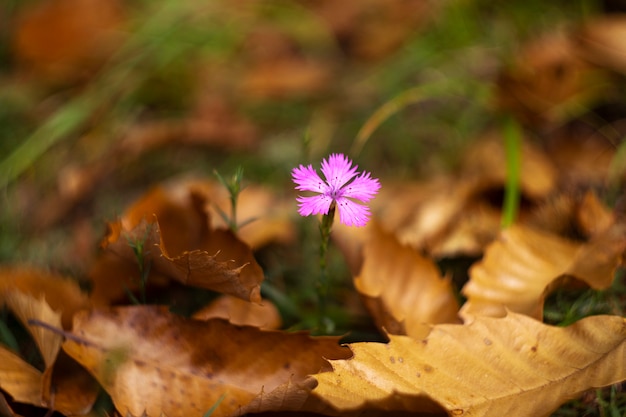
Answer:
[(523, 264), (513, 366), (25, 308), (19, 379)]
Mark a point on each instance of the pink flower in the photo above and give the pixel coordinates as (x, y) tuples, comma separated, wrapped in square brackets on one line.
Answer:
[(342, 185)]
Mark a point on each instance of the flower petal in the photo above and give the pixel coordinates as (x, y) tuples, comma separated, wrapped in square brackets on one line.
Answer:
[(351, 213), (307, 179), (363, 188), (338, 170), (318, 204)]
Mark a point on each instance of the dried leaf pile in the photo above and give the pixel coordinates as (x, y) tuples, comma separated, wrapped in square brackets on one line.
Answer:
[(170, 315)]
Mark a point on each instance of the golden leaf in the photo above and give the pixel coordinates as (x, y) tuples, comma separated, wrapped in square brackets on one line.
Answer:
[(513, 366), (26, 308), (523, 264), (19, 379)]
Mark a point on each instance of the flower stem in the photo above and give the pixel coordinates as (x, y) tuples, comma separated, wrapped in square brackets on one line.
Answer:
[(324, 323)]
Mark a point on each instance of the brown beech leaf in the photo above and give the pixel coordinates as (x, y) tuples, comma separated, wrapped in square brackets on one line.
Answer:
[(172, 226), (511, 366), (62, 40), (264, 216), (68, 387), (5, 408), (524, 264), (601, 41), (549, 83), (186, 365), (402, 289), (19, 379), (62, 294), (242, 313)]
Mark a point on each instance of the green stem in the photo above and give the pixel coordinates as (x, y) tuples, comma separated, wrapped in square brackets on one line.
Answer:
[(513, 150), (323, 283)]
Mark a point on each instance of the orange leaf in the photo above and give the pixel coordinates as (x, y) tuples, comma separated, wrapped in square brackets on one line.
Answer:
[(19, 379), (240, 312), (403, 289), (62, 294), (186, 365)]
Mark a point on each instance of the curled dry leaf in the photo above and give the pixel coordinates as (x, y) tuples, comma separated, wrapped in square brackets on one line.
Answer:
[(264, 216), (511, 366), (549, 82), (25, 308), (242, 313), (172, 227), (402, 289), (485, 162), (524, 264), (449, 216), (186, 365), (602, 41), (63, 386), (62, 294)]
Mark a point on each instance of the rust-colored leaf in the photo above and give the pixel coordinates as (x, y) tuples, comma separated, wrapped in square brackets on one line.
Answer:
[(524, 264), (62, 40), (511, 366), (402, 289), (172, 227), (186, 365), (68, 388)]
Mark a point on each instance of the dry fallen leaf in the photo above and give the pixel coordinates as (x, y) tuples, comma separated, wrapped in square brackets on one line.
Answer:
[(172, 227), (19, 379), (241, 313), (61, 293), (549, 83), (26, 308), (601, 41), (512, 366), (66, 388), (402, 289), (62, 40), (524, 264), (186, 365)]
